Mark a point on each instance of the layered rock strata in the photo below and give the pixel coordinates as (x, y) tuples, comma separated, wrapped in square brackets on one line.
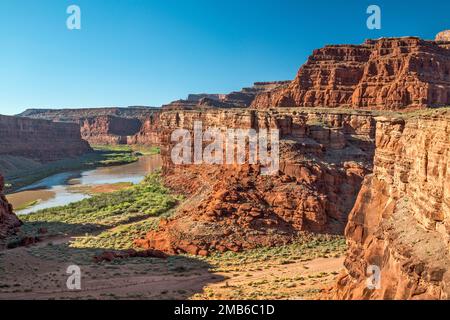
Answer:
[(99, 126), (149, 132), (324, 157), (109, 129), (387, 74), (401, 220), (40, 140)]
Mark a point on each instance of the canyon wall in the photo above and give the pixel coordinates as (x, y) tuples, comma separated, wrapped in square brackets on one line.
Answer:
[(99, 126), (324, 157), (40, 140), (401, 220), (109, 129), (387, 74), (8, 220)]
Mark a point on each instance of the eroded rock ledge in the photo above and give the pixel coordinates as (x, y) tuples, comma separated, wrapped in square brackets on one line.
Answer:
[(40, 140), (400, 221), (324, 157), (385, 74)]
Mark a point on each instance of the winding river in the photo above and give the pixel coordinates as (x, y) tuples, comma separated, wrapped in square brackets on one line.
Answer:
[(67, 187)]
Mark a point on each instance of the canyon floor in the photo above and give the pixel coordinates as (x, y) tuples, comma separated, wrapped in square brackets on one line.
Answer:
[(68, 236), (39, 272)]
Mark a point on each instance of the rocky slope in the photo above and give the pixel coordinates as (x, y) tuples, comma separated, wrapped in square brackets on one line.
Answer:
[(40, 140), (388, 74), (400, 222), (8, 220), (324, 157), (75, 115)]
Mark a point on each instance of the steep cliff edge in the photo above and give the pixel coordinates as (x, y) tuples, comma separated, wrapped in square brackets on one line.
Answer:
[(401, 219), (324, 157), (386, 74), (40, 140), (8, 220)]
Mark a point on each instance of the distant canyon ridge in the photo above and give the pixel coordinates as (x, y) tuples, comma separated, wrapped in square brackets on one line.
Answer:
[(398, 74)]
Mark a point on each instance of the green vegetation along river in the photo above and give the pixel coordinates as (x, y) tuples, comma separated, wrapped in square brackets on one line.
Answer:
[(72, 186)]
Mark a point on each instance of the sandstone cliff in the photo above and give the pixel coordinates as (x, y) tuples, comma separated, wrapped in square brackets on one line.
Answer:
[(8, 220), (324, 157), (387, 74), (400, 222), (131, 125), (109, 129), (40, 140), (149, 132), (75, 115)]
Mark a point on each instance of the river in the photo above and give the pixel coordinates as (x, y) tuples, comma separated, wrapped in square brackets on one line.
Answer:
[(67, 187)]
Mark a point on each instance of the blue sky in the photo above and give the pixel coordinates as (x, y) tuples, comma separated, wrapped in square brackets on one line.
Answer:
[(144, 52)]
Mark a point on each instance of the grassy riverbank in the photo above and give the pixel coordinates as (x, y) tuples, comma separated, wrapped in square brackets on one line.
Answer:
[(101, 157), (104, 211)]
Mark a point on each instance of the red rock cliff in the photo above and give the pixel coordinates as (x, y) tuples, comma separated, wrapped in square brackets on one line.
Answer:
[(401, 219), (8, 220), (132, 125), (324, 157), (41, 140), (149, 132), (109, 129), (390, 73)]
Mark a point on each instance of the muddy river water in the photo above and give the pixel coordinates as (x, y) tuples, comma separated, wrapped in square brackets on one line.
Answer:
[(67, 187)]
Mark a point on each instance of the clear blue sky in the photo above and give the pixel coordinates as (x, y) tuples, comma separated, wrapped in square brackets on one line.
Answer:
[(149, 52)]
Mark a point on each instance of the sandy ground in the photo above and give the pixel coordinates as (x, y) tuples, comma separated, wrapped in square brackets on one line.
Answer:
[(26, 197), (39, 272)]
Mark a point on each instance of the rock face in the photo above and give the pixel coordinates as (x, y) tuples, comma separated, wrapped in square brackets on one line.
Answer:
[(237, 99), (400, 222), (387, 74), (109, 129), (133, 125), (40, 140), (8, 220), (149, 132), (324, 157)]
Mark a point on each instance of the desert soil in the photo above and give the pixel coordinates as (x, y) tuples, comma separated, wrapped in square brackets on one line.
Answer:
[(39, 272)]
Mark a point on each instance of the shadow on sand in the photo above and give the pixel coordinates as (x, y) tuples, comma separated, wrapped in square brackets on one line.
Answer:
[(40, 271)]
